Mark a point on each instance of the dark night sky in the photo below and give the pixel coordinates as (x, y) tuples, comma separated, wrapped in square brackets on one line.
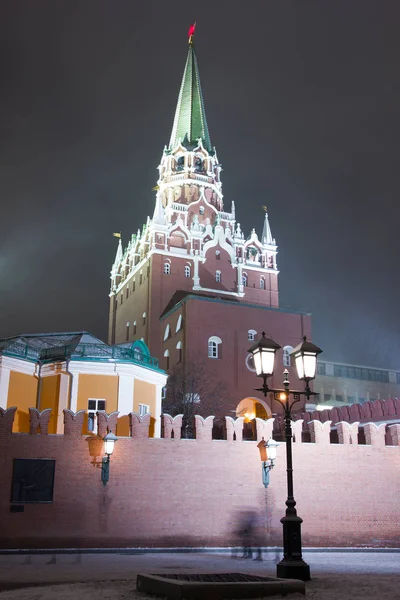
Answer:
[(302, 100)]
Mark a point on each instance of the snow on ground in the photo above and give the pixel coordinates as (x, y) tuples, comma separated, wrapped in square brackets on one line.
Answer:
[(324, 587), (335, 575)]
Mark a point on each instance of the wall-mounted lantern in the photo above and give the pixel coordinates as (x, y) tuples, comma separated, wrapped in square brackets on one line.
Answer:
[(109, 442), (268, 456)]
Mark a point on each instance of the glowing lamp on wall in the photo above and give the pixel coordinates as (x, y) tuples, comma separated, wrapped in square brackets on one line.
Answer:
[(109, 442), (272, 446)]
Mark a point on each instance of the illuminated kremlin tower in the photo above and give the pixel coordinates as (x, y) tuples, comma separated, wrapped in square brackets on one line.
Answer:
[(190, 283)]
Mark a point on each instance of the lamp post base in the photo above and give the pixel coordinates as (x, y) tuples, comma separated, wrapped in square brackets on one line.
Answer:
[(293, 569), (292, 565)]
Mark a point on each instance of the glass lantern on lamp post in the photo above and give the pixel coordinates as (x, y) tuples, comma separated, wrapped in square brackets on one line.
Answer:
[(305, 355)]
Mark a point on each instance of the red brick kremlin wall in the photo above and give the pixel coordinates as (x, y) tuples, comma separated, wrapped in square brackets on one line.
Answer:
[(173, 492)]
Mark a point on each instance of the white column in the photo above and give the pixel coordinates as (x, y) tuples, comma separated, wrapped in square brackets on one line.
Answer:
[(196, 278), (125, 394), (4, 385), (74, 392), (62, 401), (157, 416), (240, 273)]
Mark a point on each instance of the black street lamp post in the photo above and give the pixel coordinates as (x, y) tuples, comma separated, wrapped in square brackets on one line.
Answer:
[(305, 355)]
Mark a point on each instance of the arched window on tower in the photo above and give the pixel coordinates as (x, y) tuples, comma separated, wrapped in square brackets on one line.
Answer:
[(166, 356), (262, 283), (134, 327), (187, 270), (179, 349), (218, 276), (167, 332), (167, 268), (251, 335), (245, 279), (214, 347), (180, 165), (218, 255), (286, 355), (144, 318), (178, 323)]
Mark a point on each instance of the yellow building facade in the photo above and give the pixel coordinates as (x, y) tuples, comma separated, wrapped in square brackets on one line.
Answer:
[(79, 372)]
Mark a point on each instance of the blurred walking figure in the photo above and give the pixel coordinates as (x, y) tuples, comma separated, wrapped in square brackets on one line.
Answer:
[(247, 534)]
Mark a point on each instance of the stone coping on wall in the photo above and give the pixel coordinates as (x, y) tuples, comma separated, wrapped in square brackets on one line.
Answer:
[(372, 411), (313, 431)]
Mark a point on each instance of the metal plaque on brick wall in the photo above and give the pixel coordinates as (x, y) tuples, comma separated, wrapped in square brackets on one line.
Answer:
[(33, 480)]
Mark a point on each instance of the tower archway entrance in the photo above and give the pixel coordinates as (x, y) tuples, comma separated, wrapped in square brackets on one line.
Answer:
[(251, 408)]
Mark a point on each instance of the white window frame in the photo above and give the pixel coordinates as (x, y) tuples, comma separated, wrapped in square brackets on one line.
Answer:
[(144, 409), (213, 346), (178, 324), (262, 283), (286, 356), (188, 271), (245, 279), (166, 355), (167, 332), (218, 276), (92, 413), (167, 268), (251, 335)]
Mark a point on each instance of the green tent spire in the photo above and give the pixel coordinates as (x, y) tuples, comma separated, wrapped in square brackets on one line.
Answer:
[(190, 122)]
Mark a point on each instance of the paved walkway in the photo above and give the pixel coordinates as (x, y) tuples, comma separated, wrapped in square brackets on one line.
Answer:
[(23, 570)]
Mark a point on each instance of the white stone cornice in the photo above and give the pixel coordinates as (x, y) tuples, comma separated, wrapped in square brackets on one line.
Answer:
[(19, 365), (83, 367), (260, 268), (142, 373), (114, 368), (198, 288)]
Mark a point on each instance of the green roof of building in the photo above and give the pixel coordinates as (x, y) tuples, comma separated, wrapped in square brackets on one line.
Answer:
[(76, 345), (190, 122)]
